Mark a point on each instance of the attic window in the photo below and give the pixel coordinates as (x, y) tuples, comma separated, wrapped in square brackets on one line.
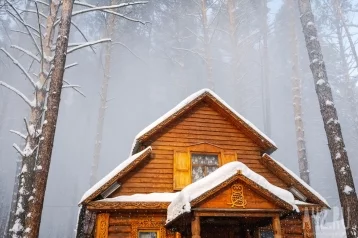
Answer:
[(298, 194), (202, 165), (110, 190)]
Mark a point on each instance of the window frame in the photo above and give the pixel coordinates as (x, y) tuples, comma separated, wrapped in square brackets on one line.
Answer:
[(148, 230), (191, 153)]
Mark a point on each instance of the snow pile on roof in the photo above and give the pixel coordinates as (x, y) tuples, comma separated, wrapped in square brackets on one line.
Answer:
[(151, 197), (308, 187), (186, 102), (181, 203), (113, 173)]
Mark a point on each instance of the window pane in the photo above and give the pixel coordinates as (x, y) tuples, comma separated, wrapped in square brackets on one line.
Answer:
[(147, 234), (203, 164), (266, 234)]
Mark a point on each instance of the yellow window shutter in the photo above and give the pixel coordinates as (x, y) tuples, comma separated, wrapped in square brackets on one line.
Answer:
[(182, 174), (228, 157)]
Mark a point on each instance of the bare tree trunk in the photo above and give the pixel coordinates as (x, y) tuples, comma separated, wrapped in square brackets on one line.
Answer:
[(110, 24), (265, 71), (297, 99), (48, 131), (339, 156), (24, 191), (208, 60)]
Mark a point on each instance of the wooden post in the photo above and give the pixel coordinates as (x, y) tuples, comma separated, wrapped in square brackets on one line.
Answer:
[(276, 225), (307, 226), (195, 227), (102, 224)]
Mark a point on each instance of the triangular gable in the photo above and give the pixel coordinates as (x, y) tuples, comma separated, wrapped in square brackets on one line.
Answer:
[(293, 180), (223, 176), (121, 170), (220, 105), (242, 193)]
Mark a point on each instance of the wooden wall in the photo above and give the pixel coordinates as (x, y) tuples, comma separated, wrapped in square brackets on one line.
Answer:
[(201, 125), (292, 227)]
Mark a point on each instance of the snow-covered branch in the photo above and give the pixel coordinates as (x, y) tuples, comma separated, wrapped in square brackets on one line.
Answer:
[(17, 148), (105, 9), (66, 82), (21, 20), (29, 53), (82, 34), (71, 65), (191, 51), (17, 63), (80, 46), (20, 94), (32, 11), (18, 133), (71, 86)]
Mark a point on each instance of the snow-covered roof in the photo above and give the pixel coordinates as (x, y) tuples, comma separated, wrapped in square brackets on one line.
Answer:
[(187, 101), (298, 179), (151, 197), (111, 176), (181, 203)]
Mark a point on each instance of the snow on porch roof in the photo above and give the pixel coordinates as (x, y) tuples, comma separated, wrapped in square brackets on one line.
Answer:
[(110, 178), (163, 120), (181, 203)]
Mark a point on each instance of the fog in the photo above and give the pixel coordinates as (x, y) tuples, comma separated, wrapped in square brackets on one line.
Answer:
[(155, 67)]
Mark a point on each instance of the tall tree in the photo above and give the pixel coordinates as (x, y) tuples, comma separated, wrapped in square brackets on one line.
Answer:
[(296, 79), (49, 128), (108, 32), (339, 156)]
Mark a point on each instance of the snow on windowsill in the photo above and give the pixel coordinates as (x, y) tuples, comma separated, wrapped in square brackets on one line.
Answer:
[(113, 173), (181, 203)]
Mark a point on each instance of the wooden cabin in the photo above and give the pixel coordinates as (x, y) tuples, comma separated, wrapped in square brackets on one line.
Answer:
[(202, 170)]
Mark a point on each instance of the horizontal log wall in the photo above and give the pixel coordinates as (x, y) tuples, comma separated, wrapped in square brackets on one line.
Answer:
[(201, 125), (292, 227)]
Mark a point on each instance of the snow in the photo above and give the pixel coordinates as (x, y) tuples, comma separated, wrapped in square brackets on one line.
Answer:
[(181, 203), (320, 82), (309, 188), (310, 23), (329, 103), (335, 229), (185, 102), (113, 173), (24, 169), (151, 197), (347, 189), (17, 226), (338, 155), (337, 138), (343, 170)]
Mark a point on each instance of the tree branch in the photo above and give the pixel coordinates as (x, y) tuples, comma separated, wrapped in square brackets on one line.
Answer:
[(120, 43), (83, 35), (17, 63), (82, 45), (105, 9), (18, 133), (29, 53), (66, 82), (71, 86), (18, 149), (71, 65), (20, 94)]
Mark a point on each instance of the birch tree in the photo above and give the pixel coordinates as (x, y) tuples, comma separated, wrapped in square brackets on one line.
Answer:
[(42, 36), (339, 156)]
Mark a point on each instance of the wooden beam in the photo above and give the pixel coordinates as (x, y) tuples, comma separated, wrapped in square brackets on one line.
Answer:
[(276, 226), (102, 224), (307, 225), (195, 227)]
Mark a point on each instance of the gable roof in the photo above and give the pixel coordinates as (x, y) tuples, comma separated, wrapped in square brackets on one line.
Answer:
[(210, 97), (121, 170), (291, 178), (226, 174)]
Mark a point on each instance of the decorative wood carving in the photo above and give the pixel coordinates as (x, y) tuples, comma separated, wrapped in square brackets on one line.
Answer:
[(260, 190), (237, 196), (102, 225), (271, 165), (148, 224), (118, 176), (100, 205)]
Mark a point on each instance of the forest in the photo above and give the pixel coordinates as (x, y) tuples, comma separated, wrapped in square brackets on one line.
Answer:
[(129, 62)]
